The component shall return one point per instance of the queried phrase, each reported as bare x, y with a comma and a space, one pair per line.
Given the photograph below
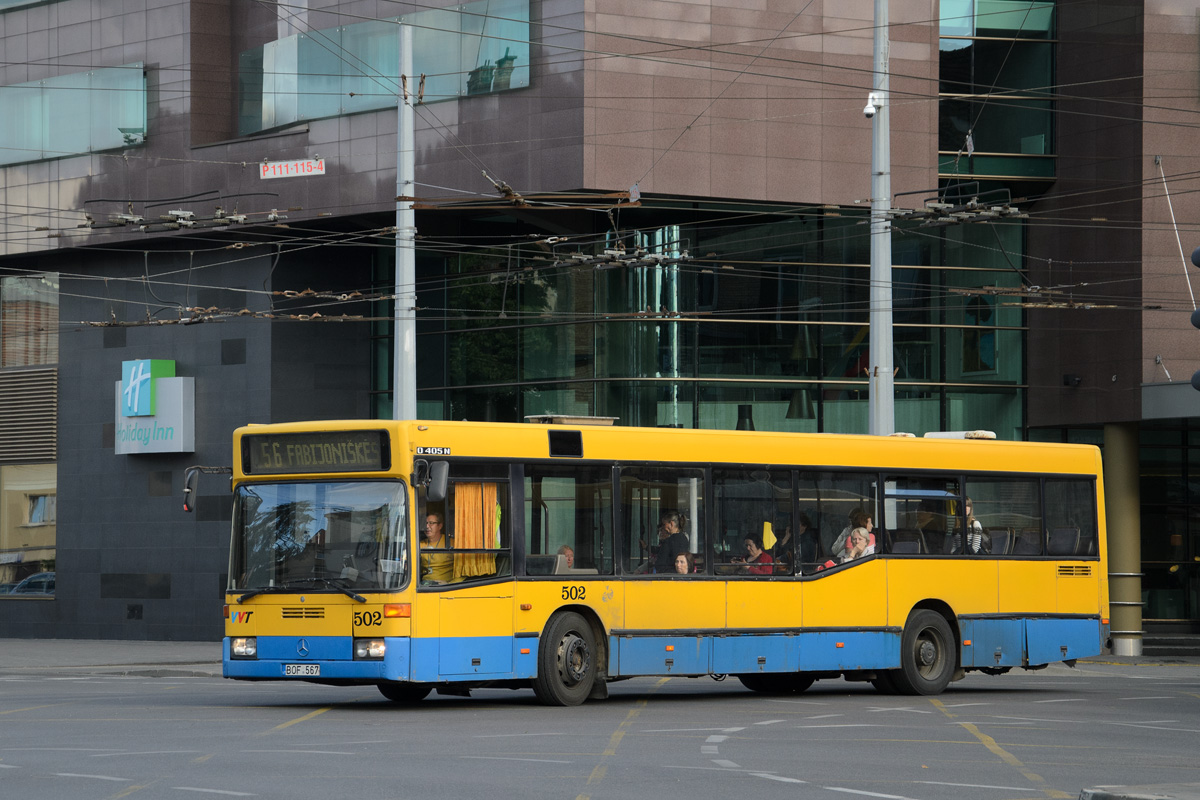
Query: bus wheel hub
576, 660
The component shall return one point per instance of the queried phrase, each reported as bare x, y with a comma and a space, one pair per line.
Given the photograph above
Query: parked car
40, 583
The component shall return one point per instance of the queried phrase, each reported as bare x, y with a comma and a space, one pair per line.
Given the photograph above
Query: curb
1164, 791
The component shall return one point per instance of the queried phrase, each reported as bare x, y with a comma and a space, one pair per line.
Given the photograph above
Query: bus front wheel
404, 693
566, 661
927, 655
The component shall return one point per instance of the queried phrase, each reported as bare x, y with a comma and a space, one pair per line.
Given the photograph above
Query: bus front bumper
317, 658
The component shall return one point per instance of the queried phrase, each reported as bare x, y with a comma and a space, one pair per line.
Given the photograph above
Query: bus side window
1010, 513
568, 520
754, 505
650, 497
1070, 517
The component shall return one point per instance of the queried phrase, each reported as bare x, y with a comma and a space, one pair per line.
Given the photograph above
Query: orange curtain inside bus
476, 526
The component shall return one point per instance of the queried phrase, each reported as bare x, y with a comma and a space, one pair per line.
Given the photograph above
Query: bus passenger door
476, 633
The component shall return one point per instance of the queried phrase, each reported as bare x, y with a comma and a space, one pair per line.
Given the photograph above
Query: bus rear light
397, 610
526, 606
243, 647
1103, 621
369, 649
226, 612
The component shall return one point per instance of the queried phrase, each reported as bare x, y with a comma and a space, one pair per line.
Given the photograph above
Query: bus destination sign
319, 451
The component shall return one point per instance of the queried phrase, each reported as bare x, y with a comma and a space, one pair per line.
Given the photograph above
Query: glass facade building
762, 314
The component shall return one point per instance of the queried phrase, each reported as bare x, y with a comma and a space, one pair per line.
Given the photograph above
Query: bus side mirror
191, 477
439, 472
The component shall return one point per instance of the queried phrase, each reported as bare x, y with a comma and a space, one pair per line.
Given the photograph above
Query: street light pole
882, 389
404, 357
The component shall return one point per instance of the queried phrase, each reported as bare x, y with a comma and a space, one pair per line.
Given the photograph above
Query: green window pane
82, 112
957, 17
1014, 18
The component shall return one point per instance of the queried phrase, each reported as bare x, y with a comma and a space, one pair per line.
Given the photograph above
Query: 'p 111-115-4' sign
324, 451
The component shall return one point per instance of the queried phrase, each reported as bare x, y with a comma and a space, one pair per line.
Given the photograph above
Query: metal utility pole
404, 362
882, 389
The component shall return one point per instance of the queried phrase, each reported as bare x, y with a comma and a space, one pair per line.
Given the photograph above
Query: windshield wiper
292, 583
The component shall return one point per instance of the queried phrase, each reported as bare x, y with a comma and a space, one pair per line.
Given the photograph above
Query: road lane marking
779, 778
845, 725
732, 730
868, 794
826, 716
497, 736
212, 791
716, 739
1163, 697
30, 708
770, 722
9, 766
312, 752
615, 740
874, 709
296, 721
510, 758
1003, 754
142, 753
95, 777
680, 730
964, 705
1063, 700
721, 762
976, 786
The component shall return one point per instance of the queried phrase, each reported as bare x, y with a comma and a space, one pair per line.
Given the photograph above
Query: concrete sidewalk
110, 657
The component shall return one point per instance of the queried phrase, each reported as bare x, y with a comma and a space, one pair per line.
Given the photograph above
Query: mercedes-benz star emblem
302, 647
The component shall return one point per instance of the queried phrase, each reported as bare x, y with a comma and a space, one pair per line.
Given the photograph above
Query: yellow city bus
427, 555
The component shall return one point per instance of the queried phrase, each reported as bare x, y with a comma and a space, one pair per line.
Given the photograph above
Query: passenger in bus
978, 542
671, 541
808, 538
783, 552
857, 546
436, 568
685, 564
859, 518
757, 560
566, 550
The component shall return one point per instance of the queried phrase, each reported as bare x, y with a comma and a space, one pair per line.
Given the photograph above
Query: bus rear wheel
776, 682
566, 661
928, 655
404, 693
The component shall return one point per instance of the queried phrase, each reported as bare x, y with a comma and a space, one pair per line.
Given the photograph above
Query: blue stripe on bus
700, 655
994, 642
334, 654
1014, 642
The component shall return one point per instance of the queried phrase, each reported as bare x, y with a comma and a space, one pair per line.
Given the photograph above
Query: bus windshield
334, 536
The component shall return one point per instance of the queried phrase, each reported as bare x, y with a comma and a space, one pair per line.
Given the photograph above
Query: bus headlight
243, 647
369, 649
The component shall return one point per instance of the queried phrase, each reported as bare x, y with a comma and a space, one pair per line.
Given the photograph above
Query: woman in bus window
685, 564
671, 541
859, 518
977, 540
757, 560
858, 545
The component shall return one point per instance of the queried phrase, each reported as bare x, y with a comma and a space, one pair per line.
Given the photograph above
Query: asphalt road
1030, 735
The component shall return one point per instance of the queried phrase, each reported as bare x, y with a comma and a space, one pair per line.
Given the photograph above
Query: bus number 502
574, 592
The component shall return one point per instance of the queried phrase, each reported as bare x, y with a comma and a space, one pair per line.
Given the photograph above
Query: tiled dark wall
1095, 246
131, 563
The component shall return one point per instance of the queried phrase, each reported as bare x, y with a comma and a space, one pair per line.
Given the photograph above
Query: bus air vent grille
1075, 570
303, 612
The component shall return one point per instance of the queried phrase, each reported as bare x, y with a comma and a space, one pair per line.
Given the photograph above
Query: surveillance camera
869, 111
